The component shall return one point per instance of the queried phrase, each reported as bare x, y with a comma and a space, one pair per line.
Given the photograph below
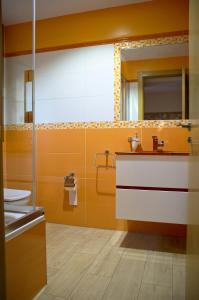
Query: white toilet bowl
16, 197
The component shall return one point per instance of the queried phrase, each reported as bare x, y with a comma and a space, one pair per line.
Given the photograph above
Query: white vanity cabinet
152, 187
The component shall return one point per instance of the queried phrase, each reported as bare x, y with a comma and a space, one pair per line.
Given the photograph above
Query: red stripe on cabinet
150, 188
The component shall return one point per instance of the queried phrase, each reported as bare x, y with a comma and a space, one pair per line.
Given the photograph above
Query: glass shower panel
19, 135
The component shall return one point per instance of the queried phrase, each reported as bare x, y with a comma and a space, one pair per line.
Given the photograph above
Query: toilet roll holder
70, 186
70, 180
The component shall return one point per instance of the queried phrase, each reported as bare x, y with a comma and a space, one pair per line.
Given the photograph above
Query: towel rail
107, 154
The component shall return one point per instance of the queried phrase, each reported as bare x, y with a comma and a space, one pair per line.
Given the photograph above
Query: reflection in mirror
154, 82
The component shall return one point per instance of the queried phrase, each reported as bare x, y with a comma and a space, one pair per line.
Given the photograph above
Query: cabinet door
153, 206
152, 171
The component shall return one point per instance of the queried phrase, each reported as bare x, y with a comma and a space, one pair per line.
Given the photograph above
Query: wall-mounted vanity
152, 186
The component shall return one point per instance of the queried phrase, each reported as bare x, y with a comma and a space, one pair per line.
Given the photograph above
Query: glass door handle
28, 78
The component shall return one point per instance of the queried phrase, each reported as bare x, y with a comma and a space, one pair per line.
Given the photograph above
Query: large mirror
154, 82
72, 85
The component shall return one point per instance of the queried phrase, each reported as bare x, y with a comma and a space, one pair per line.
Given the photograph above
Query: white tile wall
14, 112
71, 85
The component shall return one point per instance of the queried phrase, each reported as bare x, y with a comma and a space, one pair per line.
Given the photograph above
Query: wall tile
61, 141
175, 138
100, 203
98, 140
51, 195
60, 164
60, 151
18, 159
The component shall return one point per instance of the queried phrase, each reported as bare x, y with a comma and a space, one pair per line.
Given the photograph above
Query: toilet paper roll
72, 195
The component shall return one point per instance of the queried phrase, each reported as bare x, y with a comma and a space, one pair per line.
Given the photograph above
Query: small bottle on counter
134, 143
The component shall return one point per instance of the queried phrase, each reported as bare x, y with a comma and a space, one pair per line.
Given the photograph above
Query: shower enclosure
19, 126
17, 132
2, 234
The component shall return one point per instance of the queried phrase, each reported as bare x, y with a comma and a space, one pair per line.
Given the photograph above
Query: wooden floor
89, 264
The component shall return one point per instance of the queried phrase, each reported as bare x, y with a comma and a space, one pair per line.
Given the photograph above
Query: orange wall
130, 69
108, 25
26, 263
62, 151
18, 159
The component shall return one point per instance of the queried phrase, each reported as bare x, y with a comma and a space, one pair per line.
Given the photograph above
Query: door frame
2, 228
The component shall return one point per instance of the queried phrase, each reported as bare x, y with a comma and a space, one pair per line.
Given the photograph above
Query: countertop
18, 216
171, 153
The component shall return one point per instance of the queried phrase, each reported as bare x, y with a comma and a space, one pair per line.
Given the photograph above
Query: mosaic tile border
95, 125
117, 87
178, 39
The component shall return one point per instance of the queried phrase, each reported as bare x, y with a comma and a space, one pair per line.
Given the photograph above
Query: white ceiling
156, 52
19, 11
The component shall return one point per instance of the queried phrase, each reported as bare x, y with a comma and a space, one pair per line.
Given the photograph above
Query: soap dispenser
134, 142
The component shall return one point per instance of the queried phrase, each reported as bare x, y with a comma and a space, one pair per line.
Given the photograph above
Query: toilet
16, 197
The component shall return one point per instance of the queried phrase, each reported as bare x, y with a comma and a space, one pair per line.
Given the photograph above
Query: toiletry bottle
135, 143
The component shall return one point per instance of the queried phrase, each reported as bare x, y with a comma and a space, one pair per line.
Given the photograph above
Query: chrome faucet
157, 144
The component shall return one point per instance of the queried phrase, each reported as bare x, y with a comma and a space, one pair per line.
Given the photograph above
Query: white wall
71, 85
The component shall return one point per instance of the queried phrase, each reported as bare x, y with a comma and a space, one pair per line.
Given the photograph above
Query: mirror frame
170, 40
117, 122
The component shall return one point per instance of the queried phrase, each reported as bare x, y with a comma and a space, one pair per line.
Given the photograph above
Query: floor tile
160, 257
57, 256
136, 254
90, 263
106, 261
51, 272
154, 292
178, 282
179, 259
90, 287
117, 238
159, 273
43, 296
92, 246
126, 280
63, 283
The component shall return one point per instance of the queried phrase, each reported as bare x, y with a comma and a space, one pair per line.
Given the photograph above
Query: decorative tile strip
179, 39
94, 125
